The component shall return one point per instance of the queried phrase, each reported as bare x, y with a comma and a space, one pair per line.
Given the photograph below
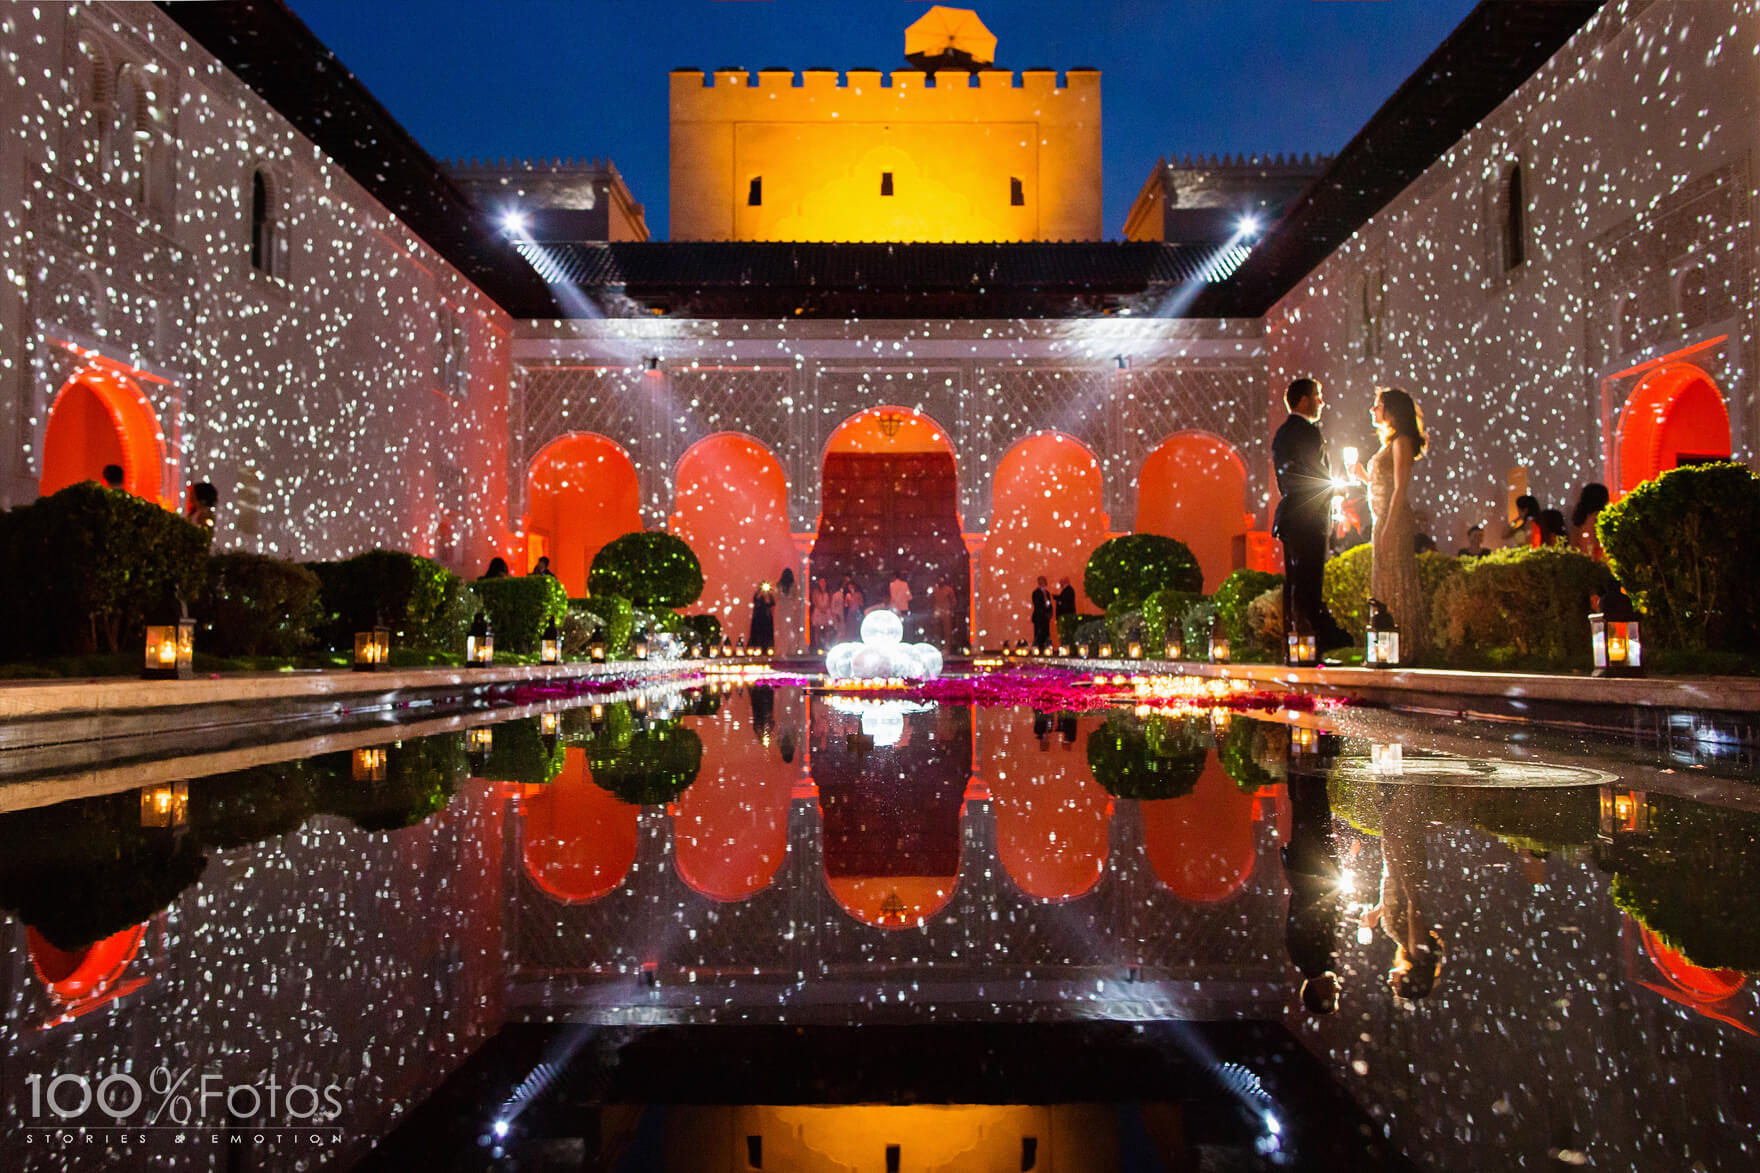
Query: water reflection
766, 857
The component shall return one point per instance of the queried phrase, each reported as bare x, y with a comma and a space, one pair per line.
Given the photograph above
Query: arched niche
1047, 516
1052, 818
731, 508
578, 840
1201, 845
581, 493
1193, 487
1675, 415
102, 417
730, 827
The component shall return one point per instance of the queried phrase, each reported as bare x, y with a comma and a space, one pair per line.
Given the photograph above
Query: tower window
1515, 238
755, 193
1017, 193
886, 183
262, 226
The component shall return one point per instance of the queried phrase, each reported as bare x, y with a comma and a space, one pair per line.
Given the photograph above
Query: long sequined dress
1394, 579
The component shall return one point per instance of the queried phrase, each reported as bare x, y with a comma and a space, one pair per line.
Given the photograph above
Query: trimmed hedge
254, 605
650, 569
703, 629
1129, 569
1233, 597
1683, 547
1165, 609
87, 564
1345, 584
420, 778
424, 604
520, 608
1530, 605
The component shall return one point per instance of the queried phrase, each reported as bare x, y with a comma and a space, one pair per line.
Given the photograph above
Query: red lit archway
1675, 415
102, 417
889, 502
1052, 818
581, 493
1193, 487
77, 977
732, 510
1201, 844
1695, 982
579, 839
730, 826
1047, 517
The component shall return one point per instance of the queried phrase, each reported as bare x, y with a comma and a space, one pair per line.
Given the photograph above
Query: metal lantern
1614, 637
550, 647
369, 764
478, 743
1063, 650
1624, 814
640, 647
1218, 642
165, 805
372, 649
1135, 651
1381, 647
1082, 651
1387, 761
547, 724
1303, 650
479, 643
171, 648
1303, 739
596, 648
1174, 648
1106, 651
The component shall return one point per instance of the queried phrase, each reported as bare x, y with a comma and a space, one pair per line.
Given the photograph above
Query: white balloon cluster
883, 654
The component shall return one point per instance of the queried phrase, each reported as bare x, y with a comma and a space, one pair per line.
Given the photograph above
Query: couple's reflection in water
1319, 895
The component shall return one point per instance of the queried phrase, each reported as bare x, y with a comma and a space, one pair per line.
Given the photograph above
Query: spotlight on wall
1247, 225
514, 223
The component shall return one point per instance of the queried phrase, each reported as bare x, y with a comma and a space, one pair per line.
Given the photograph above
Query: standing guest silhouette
763, 632
204, 498
1304, 487
113, 476
1590, 502
1066, 598
1042, 607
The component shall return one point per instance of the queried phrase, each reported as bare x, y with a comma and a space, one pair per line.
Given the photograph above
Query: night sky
587, 78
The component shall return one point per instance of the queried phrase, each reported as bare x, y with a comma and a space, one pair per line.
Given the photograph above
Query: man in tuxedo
1316, 880
1041, 615
1304, 486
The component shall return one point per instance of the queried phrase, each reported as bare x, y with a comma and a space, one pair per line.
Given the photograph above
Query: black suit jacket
1066, 601
1304, 477
1041, 604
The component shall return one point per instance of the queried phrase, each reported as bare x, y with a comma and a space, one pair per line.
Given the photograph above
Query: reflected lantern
1614, 638
165, 805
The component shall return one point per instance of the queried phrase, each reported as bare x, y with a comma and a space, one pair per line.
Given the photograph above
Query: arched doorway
580, 494
730, 827
79, 980
890, 497
1046, 519
732, 510
1675, 416
1193, 488
101, 417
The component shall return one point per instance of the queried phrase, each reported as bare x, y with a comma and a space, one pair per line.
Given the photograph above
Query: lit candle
1350, 457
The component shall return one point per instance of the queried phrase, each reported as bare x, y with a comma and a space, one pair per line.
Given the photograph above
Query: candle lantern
1063, 650
1218, 641
1381, 646
165, 805
369, 764
1303, 739
550, 646
1387, 761
596, 648
696, 651
1175, 646
1082, 651
1614, 639
547, 724
640, 647
171, 647
1106, 651
372, 649
1135, 651
740, 648
479, 643
1303, 650
478, 744
1625, 814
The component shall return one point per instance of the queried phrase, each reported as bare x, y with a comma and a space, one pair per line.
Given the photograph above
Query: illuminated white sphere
882, 626
840, 661
930, 657
871, 662
884, 723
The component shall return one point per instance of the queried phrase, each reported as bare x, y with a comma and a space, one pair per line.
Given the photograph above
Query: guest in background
497, 569
1552, 532
1423, 544
541, 568
1475, 547
1043, 607
113, 476
1590, 502
1525, 529
819, 614
898, 594
1066, 598
204, 499
763, 633
941, 601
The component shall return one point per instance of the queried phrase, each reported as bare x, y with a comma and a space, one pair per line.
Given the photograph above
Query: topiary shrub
648, 766
520, 608
520, 753
1345, 582
1265, 624
1196, 621
1129, 569
647, 568
420, 778
702, 629
1146, 758
1069, 625
424, 604
253, 605
1694, 885
89, 563
1124, 623
1527, 606
1683, 547
1232, 598
1163, 611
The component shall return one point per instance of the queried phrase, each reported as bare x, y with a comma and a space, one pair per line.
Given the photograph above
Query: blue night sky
587, 78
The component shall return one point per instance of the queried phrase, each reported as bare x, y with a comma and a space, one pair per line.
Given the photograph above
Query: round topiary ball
1129, 569
648, 569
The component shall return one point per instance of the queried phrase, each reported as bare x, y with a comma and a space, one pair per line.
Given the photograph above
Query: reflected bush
1255, 753
1539, 821
645, 765
80, 871
1147, 758
1693, 885
520, 753
420, 779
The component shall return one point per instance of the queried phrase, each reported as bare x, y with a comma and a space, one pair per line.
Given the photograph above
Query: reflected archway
1047, 517
1676, 415
84, 977
732, 510
890, 501
579, 840
1202, 844
102, 417
730, 828
1193, 488
581, 494
1052, 818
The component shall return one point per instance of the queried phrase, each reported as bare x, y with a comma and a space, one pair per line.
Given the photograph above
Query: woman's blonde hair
1402, 418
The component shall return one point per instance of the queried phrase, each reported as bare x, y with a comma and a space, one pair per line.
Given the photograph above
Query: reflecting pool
764, 927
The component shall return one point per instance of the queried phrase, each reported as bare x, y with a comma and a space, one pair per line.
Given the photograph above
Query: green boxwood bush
1163, 611
420, 778
1683, 547
520, 608
1523, 607
89, 563
1129, 569
702, 629
1069, 625
1146, 758
1694, 885
1255, 753
644, 766
424, 604
1233, 597
650, 569
254, 605
1345, 584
